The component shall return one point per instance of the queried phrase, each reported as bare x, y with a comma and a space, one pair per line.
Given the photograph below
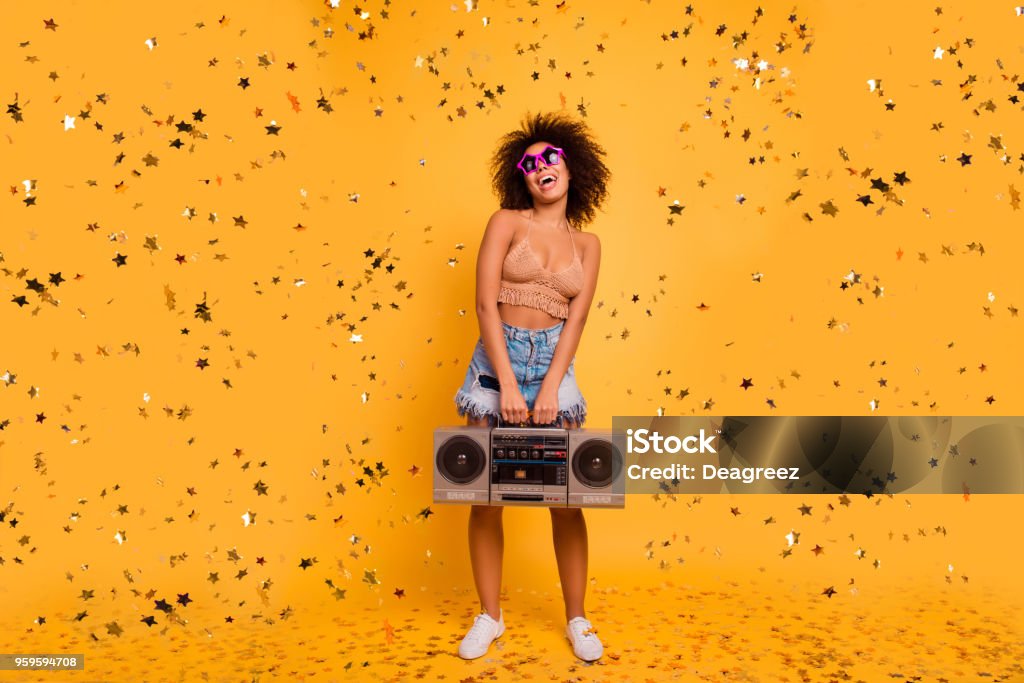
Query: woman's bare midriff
526, 316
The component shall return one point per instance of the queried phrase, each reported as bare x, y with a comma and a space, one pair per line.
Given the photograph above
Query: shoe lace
479, 628
584, 629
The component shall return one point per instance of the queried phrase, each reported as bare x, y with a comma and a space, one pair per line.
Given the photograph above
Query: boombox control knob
523, 454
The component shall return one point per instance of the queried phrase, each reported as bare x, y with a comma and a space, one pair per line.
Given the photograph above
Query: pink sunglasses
550, 157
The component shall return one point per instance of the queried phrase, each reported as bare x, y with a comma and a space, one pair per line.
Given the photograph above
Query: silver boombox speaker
527, 465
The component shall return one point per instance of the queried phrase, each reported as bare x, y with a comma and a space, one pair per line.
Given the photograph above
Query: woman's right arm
493, 249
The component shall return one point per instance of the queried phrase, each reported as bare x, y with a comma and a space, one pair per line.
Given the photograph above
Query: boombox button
500, 453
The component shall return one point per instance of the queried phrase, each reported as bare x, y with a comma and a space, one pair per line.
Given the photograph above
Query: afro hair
588, 187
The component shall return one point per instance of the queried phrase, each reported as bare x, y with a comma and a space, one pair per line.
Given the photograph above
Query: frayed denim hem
577, 413
469, 406
466, 405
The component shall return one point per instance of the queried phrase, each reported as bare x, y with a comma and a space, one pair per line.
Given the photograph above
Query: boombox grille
460, 460
594, 463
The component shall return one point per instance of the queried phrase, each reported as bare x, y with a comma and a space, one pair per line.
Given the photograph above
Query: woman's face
549, 182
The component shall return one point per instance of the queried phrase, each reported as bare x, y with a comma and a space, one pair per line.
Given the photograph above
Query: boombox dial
528, 466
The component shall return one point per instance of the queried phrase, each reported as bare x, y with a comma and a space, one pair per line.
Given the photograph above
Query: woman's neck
552, 216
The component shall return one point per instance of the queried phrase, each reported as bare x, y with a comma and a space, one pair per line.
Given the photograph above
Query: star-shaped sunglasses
550, 156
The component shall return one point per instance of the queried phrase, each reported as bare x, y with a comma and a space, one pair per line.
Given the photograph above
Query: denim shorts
530, 352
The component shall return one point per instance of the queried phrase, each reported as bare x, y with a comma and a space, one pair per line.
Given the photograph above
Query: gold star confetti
219, 290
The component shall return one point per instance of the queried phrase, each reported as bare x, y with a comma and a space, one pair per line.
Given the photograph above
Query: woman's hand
545, 408
513, 405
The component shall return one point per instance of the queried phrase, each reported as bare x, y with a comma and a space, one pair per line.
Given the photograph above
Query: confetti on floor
717, 630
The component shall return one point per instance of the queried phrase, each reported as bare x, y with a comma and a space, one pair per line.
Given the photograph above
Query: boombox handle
560, 419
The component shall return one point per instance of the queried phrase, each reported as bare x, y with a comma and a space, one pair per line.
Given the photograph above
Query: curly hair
588, 186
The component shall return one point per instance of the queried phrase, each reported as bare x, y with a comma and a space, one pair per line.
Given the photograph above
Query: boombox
541, 466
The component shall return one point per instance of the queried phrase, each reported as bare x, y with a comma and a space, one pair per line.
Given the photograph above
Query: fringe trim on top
534, 299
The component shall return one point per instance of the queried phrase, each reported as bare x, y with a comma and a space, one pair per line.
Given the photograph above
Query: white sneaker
484, 630
583, 637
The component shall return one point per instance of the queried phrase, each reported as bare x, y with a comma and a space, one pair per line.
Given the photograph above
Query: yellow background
320, 361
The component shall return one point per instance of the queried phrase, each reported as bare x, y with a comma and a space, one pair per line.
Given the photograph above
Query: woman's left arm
569, 339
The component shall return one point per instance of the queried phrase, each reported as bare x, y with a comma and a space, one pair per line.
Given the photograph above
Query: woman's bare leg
486, 547
569, 534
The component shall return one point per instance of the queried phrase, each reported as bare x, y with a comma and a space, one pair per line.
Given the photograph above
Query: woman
535, 280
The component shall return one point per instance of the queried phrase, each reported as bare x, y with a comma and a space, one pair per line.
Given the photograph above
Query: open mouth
547, 181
